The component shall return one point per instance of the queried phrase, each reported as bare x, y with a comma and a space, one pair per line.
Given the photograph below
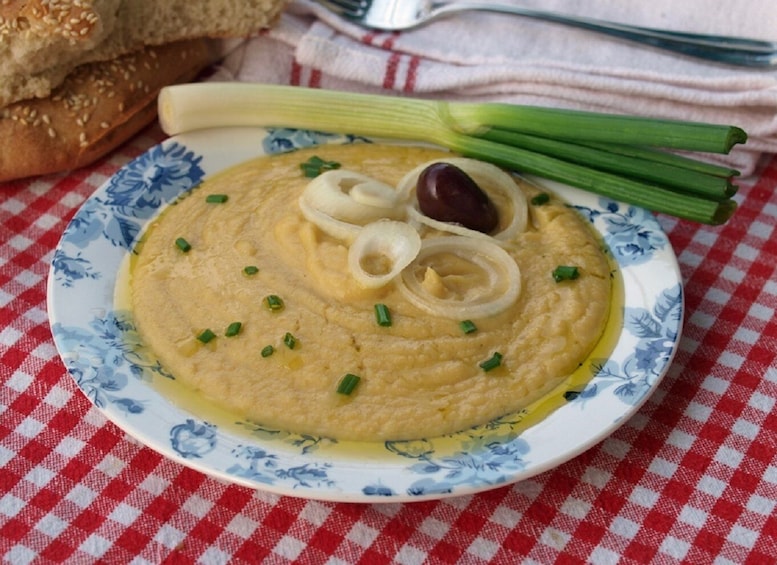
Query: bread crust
41, 41
96, 109
34, 34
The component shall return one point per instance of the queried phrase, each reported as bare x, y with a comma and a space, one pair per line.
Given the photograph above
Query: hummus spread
419, 376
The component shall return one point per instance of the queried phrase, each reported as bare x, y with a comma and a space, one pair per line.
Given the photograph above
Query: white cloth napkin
492, 57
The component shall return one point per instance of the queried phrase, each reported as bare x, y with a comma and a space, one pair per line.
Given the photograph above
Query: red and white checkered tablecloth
692, 477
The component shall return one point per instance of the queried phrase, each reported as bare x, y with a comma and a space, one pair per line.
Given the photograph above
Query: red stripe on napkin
314, 81
392, 65
368, 38
296, 73
297, 77
412, 73
390, 76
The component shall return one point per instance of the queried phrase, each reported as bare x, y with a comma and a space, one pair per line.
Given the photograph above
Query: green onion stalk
625, 158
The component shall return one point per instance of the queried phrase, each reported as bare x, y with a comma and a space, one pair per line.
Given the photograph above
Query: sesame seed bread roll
32, 31
97, 108
41, 41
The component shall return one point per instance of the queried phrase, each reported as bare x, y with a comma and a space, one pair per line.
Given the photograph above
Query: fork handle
724, 49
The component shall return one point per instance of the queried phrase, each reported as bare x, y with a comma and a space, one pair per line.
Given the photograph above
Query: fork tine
348, 8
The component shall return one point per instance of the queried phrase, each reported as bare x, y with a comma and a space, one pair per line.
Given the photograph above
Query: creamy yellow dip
420, 377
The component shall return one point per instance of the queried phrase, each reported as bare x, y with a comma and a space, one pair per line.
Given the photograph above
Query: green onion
274, 302
382, 315
625, 158
347, 384
468, 326
573, 125
206, 336
233, 329
289, 340
657, 156
565, 273
637, 166
216, 198
250, 270
647, 195
316, 165
267, 350
540, 199
183, 245
492, 362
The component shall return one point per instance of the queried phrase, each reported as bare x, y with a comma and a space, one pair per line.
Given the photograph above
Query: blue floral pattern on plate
656, 331
627, 232
132, 196
102, 351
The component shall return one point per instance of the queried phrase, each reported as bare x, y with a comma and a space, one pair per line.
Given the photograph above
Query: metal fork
405, 14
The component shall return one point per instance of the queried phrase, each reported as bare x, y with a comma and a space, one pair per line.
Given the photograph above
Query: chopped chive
468, 326
316, 165
267, 350
274, 302
540, 199
233, 329
492, 362
183, 245
348, 383
565, 273
382, 315
571, 395
289, 340
206, 336
216, 198
251, 269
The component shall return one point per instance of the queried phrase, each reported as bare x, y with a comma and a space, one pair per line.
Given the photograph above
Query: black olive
448, 194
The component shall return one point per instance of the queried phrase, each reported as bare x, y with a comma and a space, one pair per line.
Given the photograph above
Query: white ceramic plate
102, 352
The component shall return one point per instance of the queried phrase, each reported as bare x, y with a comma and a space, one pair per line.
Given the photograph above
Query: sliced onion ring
395, 242
490, 178
336, 228
503, 278
375, 194
352, 197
